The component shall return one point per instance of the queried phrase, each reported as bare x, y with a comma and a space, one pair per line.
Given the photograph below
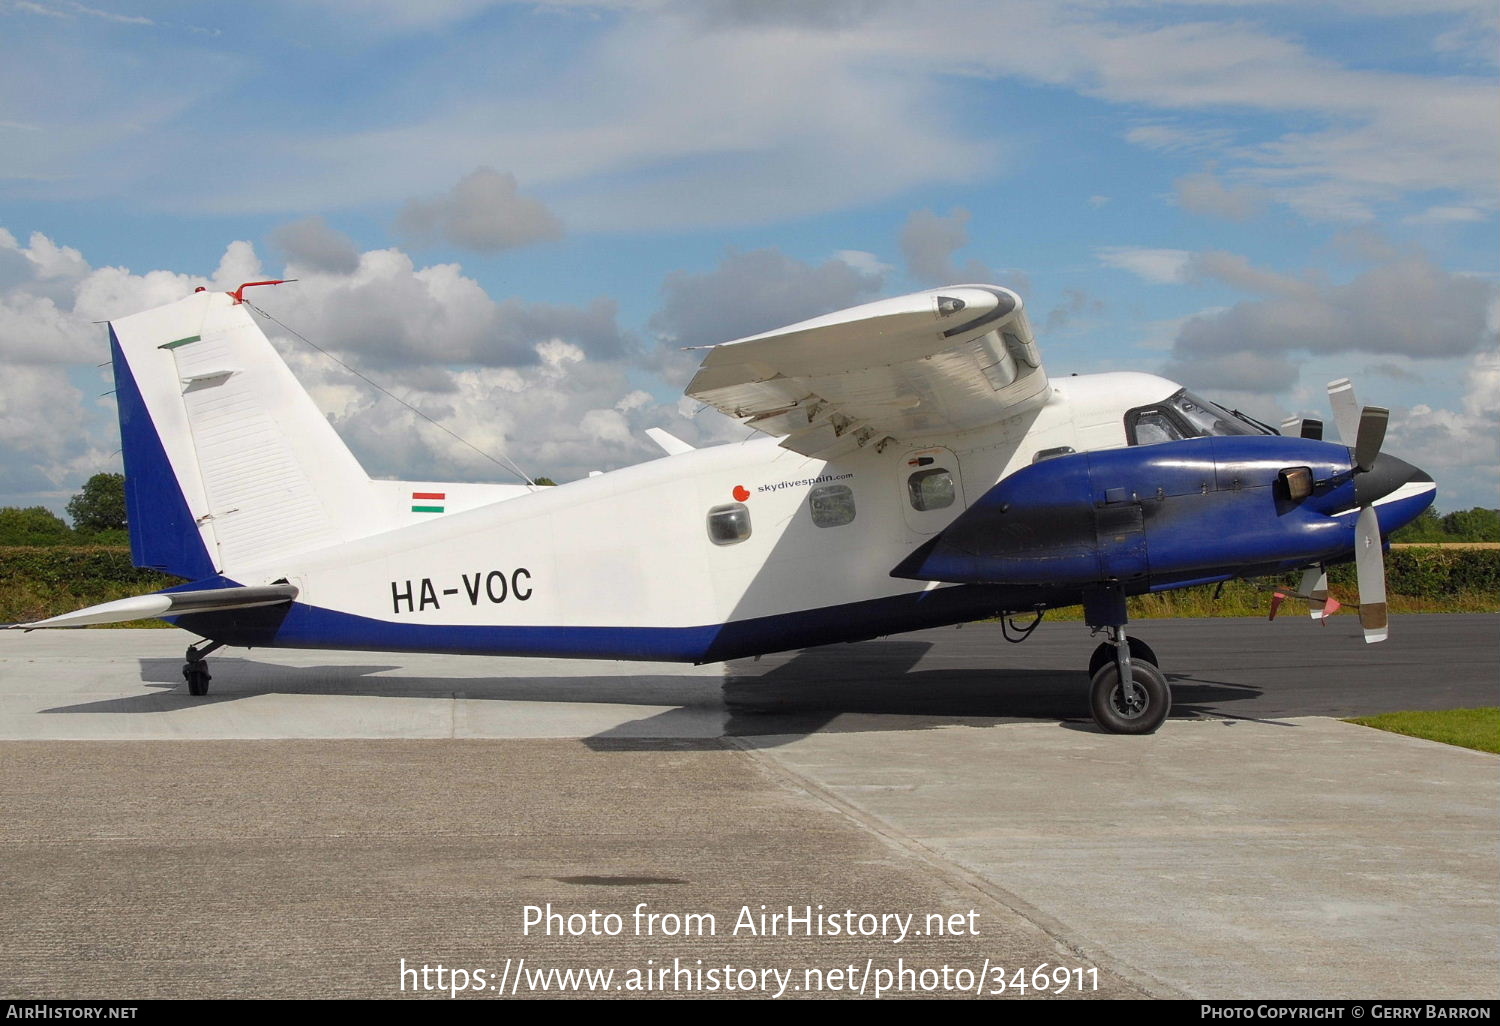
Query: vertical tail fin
228, 463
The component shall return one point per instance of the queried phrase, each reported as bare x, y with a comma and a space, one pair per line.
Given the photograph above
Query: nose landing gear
1127, 692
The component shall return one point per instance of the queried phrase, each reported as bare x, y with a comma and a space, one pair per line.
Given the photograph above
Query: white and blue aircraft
913, 466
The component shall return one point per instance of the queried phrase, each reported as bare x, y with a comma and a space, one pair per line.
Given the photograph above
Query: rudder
228, 463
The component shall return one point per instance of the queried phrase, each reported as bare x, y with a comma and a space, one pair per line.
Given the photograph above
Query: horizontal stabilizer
670, 443
168, 603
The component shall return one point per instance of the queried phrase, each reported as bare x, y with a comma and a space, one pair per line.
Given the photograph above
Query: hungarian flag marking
428, 502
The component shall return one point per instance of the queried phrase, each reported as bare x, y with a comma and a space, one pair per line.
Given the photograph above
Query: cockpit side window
1151, 425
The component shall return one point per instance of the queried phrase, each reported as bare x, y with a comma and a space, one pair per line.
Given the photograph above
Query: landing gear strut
195, 670
1127, 693
1140, 652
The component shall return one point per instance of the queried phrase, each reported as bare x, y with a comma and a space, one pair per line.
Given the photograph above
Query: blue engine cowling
1161, 516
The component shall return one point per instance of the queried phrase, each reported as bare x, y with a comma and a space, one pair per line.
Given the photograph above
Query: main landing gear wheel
1140, 652
197, 679
195, 670
1138, 709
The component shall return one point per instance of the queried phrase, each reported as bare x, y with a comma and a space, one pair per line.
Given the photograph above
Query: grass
1445, 545
1240, 598
1478, 729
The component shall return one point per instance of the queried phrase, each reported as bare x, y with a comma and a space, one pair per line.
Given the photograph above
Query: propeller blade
1372, 424
1345, 409
1277, 598
1369, 567
1314, 585
1302, 427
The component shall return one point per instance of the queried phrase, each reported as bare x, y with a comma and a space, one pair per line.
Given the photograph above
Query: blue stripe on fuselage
304, 626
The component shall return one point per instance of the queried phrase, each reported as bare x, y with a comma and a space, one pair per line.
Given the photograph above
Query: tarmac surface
321, 816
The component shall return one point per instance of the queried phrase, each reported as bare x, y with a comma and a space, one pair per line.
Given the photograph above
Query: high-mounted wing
941, 361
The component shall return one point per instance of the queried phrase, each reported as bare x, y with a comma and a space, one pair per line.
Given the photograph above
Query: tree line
1467, 525
98, 514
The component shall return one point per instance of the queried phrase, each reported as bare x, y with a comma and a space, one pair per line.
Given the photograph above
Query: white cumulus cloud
1157, 266
556, 389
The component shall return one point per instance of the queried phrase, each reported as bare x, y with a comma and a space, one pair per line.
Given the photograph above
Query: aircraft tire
1152, 699
1140, 652
197, 679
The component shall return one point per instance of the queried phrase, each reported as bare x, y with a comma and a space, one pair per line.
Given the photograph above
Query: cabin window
729, 524
1050, 454
930, 489
831, 505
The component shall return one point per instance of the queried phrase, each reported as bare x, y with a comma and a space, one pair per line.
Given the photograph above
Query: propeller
1303, 427
1313, 589
1363, 431
1320, 604
1369, 571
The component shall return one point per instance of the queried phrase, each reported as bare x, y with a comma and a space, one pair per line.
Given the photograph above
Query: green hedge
37, 582
41, 582
1433, 573
79, 567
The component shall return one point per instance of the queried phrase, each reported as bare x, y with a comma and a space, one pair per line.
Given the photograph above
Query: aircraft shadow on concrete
874, 685
237, 678
807, 692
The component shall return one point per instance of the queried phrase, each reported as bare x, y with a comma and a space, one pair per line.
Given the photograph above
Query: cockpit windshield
1185, 415
1208, 418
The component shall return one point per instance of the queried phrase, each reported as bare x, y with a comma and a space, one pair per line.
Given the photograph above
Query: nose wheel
1136, 706
1127, 692
195, 670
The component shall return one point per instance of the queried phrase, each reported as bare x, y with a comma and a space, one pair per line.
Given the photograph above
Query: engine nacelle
1159, 515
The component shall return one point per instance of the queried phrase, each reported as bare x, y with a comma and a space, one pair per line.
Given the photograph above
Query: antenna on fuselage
501, 461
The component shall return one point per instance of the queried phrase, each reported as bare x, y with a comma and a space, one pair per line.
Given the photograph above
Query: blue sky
516, 214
